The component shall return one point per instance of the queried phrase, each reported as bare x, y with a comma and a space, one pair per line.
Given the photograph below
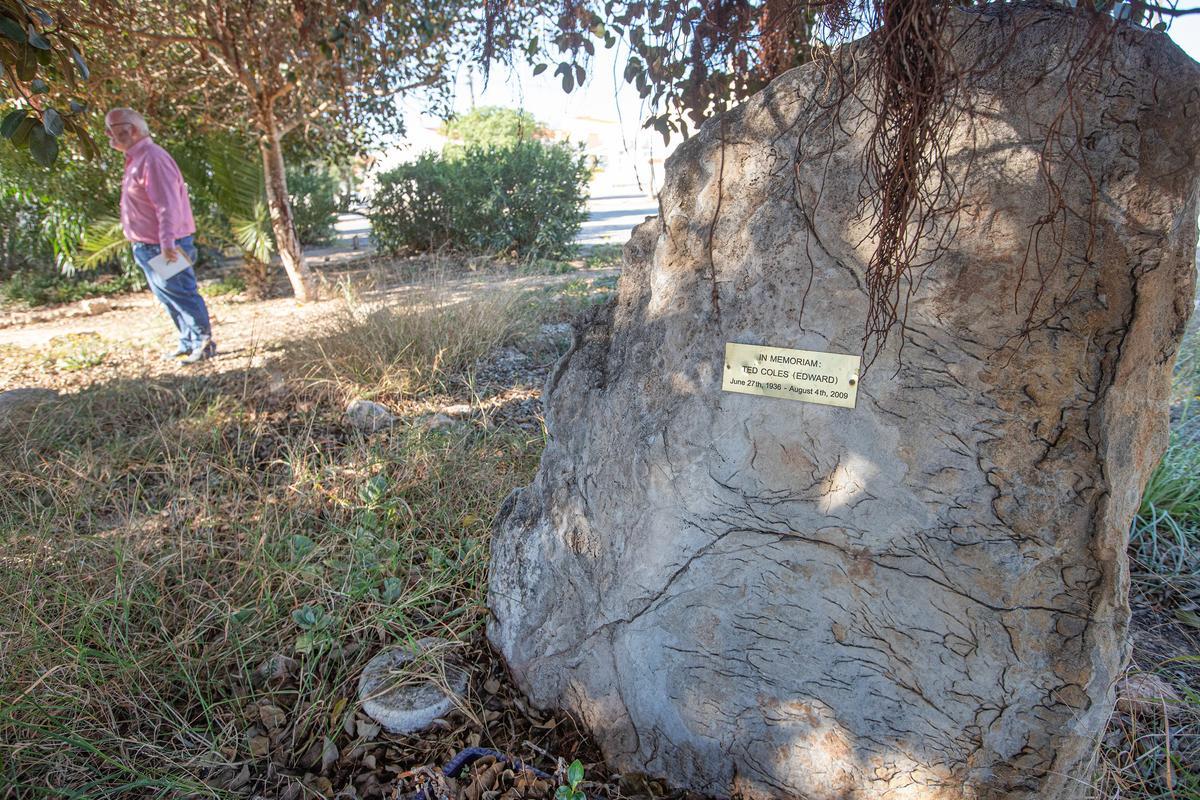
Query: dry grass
166, 545
427, 345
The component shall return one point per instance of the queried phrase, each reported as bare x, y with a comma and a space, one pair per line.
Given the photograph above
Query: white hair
130, 116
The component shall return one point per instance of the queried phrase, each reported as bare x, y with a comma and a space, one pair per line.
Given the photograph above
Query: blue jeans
178, 294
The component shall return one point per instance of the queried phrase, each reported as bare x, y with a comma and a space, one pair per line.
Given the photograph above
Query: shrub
526, 200
492, 126
43, 212
314, 205
38, 287
22, 241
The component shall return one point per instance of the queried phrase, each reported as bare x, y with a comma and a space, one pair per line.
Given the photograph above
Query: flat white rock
403, 702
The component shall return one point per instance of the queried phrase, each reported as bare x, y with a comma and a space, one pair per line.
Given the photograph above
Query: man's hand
172, 253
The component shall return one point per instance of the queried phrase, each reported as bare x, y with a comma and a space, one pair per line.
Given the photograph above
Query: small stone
1145, 693
408, 703
457, 411
437, 422
556, 330
369, 416
24, 399
97, 305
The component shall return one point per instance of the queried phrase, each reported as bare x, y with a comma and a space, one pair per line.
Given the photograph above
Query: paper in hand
169, 269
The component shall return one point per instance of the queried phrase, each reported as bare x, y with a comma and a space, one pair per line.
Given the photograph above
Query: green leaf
53, 122
80, 64
11, 121
301, 545
393, 588
12, 29
27, 67
42, 16
1160, 26
305, 642
308, 616
568, 80
575, 773
562, 793
540, 68
77, 107
20, 137
38, 41
38, 86
43, 146
102, 242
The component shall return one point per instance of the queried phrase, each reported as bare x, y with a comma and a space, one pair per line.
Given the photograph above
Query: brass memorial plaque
827, 378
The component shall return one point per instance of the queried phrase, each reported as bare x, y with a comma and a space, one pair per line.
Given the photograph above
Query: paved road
613, 213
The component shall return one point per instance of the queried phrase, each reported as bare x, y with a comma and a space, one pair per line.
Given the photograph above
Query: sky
604, 95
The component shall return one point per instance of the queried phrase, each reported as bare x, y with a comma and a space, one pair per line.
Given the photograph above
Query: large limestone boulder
923, 596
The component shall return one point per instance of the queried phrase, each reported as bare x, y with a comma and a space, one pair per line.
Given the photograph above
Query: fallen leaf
329, 755
335, 716
260, 746
272, 716
241, 779
367, 730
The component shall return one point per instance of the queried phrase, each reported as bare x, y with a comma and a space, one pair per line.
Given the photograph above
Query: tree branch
1167, 11
150, 36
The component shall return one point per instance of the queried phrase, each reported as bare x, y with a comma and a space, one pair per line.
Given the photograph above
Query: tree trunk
303, 281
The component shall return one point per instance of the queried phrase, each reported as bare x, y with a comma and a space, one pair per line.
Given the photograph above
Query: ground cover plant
41, 288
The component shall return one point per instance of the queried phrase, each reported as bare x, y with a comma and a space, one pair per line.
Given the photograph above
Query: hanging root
913, 77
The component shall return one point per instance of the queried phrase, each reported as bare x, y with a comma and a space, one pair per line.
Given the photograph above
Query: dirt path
72, 350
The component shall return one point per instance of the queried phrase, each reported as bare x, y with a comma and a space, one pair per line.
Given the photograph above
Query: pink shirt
154, 199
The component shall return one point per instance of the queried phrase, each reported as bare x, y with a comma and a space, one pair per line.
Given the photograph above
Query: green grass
75, 352
603, 255
546, 266
1164, 541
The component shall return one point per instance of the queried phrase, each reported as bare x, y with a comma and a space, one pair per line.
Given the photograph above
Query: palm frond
224, 173
253, 234
103, 241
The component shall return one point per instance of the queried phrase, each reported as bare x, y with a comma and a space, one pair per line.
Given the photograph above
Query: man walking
157, 218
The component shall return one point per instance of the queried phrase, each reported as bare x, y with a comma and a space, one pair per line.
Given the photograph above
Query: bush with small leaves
314, 205
526, 200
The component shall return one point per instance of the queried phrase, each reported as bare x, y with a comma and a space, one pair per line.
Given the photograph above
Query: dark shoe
206, 350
